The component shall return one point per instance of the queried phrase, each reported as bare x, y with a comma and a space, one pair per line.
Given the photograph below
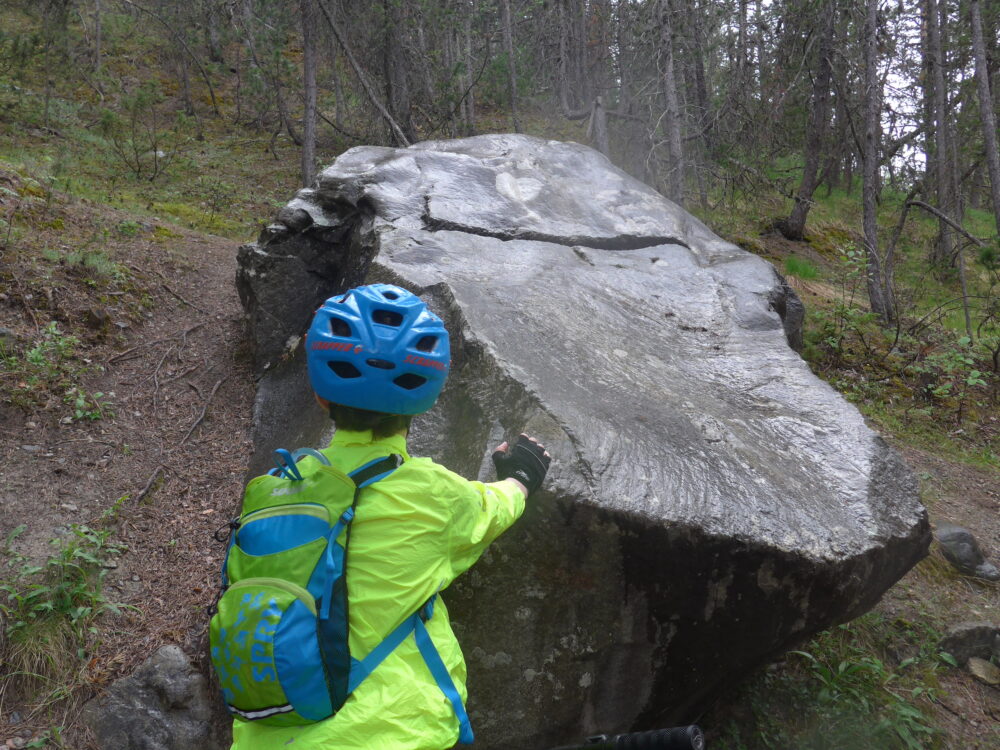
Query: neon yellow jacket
414, 533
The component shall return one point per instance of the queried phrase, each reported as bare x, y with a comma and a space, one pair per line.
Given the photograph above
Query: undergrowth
48, 611
848, 689
49, 373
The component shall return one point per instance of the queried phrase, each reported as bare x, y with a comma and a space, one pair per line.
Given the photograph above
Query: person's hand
525, 464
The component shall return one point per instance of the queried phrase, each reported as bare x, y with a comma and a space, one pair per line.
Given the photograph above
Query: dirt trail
175, 450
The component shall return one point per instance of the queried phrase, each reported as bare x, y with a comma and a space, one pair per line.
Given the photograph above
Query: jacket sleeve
480, 512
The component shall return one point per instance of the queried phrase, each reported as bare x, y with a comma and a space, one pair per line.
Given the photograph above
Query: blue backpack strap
415, 624
373, 471
286, 465
441, 676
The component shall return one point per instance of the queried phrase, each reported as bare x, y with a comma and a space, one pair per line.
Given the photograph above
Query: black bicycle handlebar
676, 738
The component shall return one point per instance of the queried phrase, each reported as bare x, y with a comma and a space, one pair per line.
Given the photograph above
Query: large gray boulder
711, 502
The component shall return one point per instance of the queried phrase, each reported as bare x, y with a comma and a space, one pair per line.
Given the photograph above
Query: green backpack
279, 637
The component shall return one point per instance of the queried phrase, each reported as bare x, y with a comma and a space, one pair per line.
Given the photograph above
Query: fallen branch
182, 299
152, 478
204, 411
950, 222
121, 354
196, 389
186, 372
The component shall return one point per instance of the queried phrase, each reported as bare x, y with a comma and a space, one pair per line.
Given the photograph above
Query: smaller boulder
962, 550
165, 704
979, 640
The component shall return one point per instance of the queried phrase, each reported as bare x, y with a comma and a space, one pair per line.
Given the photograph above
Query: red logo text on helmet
337, 346
413, 359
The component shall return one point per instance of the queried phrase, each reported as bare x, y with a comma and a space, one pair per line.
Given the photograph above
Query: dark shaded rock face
711, 502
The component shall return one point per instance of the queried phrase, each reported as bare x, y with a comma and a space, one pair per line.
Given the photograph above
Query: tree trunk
470, 96
942, 250
700, 87
563, 83
508, 43
309, 90
212, 38
671, 119
986, 114
397, 67
878, 293
599, 127
338, 33
794, 226
759, 17
97, 36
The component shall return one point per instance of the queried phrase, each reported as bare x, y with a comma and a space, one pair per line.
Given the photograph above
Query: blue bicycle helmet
378, 348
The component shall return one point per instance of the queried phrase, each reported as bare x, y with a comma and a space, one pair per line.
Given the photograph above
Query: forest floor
161, 466
141, 426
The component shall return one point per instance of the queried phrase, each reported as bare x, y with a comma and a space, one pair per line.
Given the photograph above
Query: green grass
50, 366
48, 611
865, 684
800, 268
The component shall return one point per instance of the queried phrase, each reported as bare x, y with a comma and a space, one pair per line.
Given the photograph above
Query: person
376, 357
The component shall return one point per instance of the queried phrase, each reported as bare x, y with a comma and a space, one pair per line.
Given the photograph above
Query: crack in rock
621, 242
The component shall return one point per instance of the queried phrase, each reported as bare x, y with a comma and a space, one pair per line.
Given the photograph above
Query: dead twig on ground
204, 410
188, 371
196, 389
182, 299
122, 354
149, 484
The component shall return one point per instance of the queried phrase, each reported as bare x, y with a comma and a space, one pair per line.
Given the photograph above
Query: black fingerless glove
526, 462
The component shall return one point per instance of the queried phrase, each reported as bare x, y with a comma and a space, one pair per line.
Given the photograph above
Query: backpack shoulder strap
375, 470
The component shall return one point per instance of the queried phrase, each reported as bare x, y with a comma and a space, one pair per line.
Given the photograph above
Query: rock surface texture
164, 705
711, 502
961, 549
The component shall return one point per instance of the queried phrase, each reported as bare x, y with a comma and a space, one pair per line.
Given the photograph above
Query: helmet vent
390, 295
387, 317
382, 364
426, 343
409, 381
340, 328
345, 369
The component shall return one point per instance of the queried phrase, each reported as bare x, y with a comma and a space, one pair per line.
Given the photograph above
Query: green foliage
89, 406
800, 267
844, 692
920, 380
50, 367
128, 228
48, 609
139, 135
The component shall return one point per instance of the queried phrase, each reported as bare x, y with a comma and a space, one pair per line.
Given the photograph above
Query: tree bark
986, 114
671, 119
309, 90
97, 36
598, 128
563, 82
794, 226
508, 43
470, 99
878, 293
397, 67
942, 249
